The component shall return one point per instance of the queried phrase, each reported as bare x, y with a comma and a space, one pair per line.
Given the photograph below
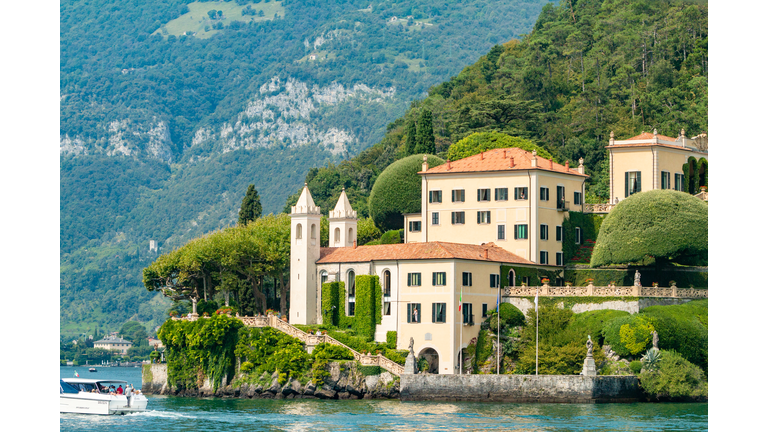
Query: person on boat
120, 389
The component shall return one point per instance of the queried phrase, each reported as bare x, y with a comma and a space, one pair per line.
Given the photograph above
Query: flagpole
498, 330
537, 330
461, 333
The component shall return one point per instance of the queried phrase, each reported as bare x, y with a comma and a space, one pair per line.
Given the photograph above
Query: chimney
551, 164
610, 141
449, 165
482, 155
505, 154
534, 161
354, 244
566, 166
511, 162
485, 253
424, 164
581, 165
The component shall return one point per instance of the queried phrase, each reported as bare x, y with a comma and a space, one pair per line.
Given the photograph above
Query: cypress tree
425, 137
410, 139
250, 209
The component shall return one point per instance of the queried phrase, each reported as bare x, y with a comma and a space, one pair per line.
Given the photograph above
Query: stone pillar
590, 289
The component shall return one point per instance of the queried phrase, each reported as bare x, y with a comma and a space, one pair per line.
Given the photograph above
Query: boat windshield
66, 387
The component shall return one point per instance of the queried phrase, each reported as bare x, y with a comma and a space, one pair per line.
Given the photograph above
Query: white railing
598, 208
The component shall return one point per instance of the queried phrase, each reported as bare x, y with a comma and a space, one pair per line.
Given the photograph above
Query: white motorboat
93, 396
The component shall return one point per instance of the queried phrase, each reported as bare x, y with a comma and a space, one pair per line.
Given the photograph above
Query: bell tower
342, 223
305, 251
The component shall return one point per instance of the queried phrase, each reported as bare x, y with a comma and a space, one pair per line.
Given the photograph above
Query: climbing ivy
196, 349
368, 305
590, 227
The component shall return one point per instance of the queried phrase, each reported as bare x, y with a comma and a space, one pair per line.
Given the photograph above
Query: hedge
590, 227
397, 190
682, 328
331, 302
663, 224
685, 277
534, 275
367, 305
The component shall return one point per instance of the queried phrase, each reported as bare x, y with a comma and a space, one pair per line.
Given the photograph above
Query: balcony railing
562, 205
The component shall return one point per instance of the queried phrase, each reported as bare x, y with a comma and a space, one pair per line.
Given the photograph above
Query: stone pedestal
589, 367
411, 365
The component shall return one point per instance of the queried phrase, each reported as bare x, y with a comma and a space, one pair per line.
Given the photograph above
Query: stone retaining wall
520, 388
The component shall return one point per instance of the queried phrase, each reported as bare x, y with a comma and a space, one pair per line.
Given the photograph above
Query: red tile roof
421, 251
648, 136
498, 160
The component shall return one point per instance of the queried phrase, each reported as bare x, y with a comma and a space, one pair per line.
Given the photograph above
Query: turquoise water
167, 413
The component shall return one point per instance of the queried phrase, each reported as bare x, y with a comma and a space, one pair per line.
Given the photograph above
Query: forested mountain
588, 67
171, 108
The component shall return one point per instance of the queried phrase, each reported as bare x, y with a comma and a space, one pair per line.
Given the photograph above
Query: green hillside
587, 68
162, 133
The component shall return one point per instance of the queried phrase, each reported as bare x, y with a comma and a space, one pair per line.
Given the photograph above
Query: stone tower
305, 251
342, 223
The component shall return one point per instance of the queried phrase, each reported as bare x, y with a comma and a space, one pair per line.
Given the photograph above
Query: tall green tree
425, 135
250, 209
410, 137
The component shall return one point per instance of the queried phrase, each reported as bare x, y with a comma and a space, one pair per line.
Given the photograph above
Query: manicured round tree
667, 225
482, 141
398, 190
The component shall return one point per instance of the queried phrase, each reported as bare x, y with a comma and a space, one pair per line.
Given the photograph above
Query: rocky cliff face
345, 381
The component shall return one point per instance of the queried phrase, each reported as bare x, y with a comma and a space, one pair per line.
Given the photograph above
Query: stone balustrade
598, 208
312, 340
606, 291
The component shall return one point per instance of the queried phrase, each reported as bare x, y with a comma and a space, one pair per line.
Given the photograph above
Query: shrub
664, 224
391, 339
628, 335
246, 367
636, 366
482, 141
682, 328
332, 352
392, 237
676, 378
511, 316
397, 190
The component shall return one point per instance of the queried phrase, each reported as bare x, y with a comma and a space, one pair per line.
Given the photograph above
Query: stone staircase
311, 341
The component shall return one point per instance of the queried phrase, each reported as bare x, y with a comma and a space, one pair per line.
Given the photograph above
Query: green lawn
193, 23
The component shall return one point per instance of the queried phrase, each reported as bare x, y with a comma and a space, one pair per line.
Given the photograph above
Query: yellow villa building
482, 218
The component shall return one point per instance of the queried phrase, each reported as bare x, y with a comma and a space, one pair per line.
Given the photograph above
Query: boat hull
90, 403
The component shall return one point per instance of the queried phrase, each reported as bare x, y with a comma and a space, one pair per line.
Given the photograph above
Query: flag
77, 374
498, 302
536, 300
460, 293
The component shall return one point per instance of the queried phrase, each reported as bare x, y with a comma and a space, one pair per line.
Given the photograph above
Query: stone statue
637, 278
589, 368
589, 346
410, 346
655, 340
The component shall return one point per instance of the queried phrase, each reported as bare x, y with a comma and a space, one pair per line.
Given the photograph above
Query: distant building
113, 343
313, 56
153, 245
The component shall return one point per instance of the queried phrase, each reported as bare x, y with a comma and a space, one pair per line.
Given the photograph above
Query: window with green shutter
632, 183
544, 193
544, 232
501, 194
484, 217
414, 312
558, 233
438, 312
457, 195
484, 194
438, 278
521, 193
414, 279
466, 279
543, 257
521, 232
457, 218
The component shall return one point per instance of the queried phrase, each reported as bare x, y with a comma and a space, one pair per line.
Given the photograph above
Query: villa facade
498, 211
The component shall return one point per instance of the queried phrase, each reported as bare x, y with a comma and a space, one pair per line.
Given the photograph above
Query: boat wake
159, 414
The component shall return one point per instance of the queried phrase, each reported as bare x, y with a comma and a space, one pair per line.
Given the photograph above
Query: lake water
168, 413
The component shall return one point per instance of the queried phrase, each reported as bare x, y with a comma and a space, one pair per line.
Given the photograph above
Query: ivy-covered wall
196, 349
685, 278
368, 295
695, 174
590, 227
367, 305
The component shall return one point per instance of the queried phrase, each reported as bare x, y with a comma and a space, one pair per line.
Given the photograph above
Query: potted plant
545, 280
672, 283
590, 280
655, 284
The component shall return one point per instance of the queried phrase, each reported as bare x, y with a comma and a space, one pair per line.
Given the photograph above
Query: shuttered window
543, 257
466, 279
438, 278
484, 217
559, 233
457, 218
438, 312
521, 193
632, 183
501, 194
414, 279
484, 194
436, 196
521, 232
544, 232
414, 312
457, 195
544, 193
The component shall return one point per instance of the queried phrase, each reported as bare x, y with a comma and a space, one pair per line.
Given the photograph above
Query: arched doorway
432, 358
511, 278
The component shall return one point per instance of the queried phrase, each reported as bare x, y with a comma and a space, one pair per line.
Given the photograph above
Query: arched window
313, 232
323, 276
387, 279
350, 239
298, 231
351, 293
511, 278
336, 235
